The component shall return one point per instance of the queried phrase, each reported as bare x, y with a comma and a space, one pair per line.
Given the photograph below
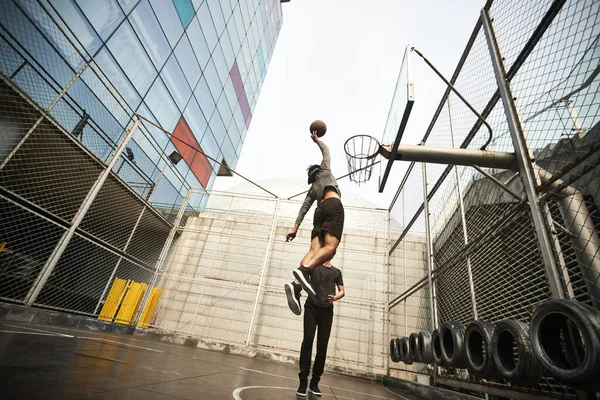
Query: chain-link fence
494, 255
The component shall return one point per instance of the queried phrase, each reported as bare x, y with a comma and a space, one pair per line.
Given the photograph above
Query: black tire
400, 350
550, 332
414, 347
478, 350
436, 348
513, 354
425, 347
394, 351
452, 336
406, 351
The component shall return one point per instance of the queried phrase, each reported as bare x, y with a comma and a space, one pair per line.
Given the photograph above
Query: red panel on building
186, 144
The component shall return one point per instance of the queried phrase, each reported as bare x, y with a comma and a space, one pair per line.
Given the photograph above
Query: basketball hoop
361, 151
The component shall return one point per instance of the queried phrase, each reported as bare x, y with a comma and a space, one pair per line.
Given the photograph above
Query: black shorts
329, 217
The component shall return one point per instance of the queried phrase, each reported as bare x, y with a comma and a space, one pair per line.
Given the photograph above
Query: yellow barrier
150, 308
113, 300
131, 303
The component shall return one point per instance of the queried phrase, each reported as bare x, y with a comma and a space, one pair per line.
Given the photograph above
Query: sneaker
314, 388
302, 389
292, 292
302, 274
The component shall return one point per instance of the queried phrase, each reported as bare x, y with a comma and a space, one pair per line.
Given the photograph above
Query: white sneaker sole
318, 394
304, 283
293, 303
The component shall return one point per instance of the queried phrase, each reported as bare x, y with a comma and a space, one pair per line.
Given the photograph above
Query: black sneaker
314, 388
302, 389
302, 274
292, 291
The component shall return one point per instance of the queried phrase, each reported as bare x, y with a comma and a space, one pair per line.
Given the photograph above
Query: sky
338, 61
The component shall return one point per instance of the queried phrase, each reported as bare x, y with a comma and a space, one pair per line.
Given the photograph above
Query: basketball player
318, 316
328, 225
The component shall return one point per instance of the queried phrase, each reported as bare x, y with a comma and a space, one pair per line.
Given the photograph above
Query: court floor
52, 362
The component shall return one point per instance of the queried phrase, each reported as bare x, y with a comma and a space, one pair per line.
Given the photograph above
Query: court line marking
28, 333
121, 344
332, 387
236, 392
38, 330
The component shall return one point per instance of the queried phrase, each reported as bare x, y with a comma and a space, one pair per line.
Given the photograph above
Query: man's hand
290, 236
331, 298
314, 137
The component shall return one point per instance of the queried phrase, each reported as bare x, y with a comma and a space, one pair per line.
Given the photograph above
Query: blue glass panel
175, 80
148, 29
14, 21
217, 15
228, 151
217, 127
193, 183
224, 109
161, 138
10, 60
196, 37
205, 99
261, 62
220, 63
213, 80
230, 94
227, 49
169, 19
185, 10
117, 77
209, 145
187, 61
104, 15
162, 106
129, 53
37, 88
127, 5
206, 24
195, 119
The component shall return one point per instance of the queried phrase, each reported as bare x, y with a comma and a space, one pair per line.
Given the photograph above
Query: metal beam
444, 155
524, 160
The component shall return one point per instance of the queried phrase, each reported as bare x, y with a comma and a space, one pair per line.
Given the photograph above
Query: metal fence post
263, 272
524, 159
429, 251
162, 258
389, 275
463, 219
83, 209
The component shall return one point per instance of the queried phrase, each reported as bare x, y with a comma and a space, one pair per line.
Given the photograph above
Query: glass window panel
77, 22
193, 183
169, 19
185, 10
238, 116
104, 15
175, 81
228, 151
224, 109
233, 37
128, 51
226, 9
229, 90
217, 127
117, 77
213, 80
159, 136
207, 26
239, 23
127, 5
196, 37
195, 118
151, 35
197, 3
227, 49
205, 99
187, 61
217, 16
220, 63
162, 106
210, 145
10, 60
245, 15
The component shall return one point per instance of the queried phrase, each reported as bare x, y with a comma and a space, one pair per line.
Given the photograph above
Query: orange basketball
318, 126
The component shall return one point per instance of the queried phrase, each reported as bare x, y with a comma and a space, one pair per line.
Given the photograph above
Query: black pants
321, 317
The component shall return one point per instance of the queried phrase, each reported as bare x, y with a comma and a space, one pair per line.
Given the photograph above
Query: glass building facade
193, 67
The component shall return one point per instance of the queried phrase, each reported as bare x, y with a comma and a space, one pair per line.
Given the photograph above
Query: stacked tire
562, 340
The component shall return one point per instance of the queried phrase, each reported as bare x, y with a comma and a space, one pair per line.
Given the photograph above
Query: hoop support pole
442, 155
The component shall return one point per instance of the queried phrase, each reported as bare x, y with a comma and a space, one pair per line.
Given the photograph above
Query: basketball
318, 126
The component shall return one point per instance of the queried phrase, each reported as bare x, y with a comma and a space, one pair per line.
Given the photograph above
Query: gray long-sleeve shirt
323, 179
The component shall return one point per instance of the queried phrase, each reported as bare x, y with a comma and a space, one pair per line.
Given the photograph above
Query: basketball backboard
400, 109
